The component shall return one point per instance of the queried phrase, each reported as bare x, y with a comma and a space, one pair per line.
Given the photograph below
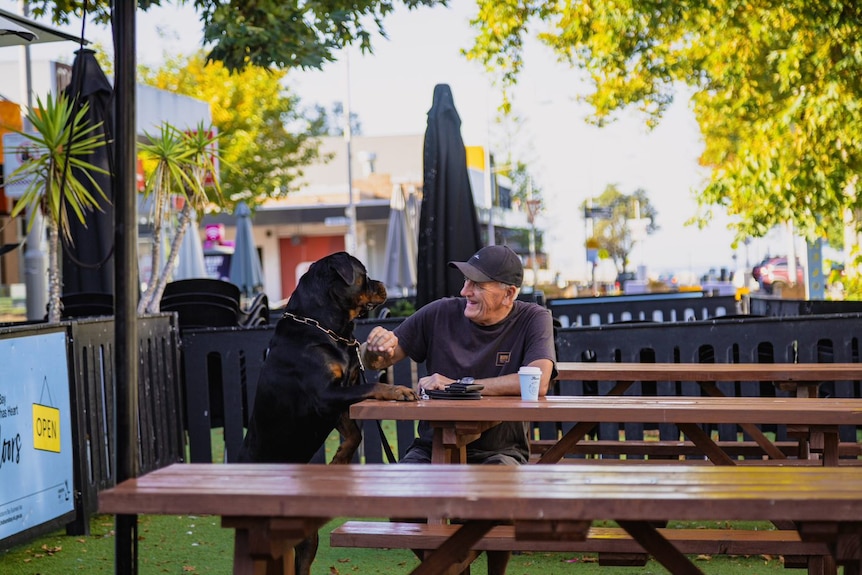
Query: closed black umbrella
448, 225
88, 265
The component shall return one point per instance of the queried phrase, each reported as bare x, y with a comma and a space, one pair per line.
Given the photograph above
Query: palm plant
62, 137
181, 162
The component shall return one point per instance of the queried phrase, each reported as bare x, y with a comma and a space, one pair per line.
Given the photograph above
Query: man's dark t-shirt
452, 345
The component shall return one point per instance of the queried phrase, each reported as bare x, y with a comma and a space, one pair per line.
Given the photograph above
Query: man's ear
511, 292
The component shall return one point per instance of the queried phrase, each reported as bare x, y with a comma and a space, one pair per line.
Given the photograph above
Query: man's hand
380, 349
435, 381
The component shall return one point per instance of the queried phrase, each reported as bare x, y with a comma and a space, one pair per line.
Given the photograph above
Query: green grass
199, 545
188, 544
9, 312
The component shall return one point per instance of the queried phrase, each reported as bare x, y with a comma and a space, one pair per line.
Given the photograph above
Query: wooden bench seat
665, 448
613, 545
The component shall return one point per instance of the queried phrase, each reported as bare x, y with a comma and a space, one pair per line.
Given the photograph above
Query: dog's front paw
397, 393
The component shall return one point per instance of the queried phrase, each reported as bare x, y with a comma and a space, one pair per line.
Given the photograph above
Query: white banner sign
36, 470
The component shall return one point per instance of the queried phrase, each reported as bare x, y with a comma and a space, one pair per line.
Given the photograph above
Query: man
486, 334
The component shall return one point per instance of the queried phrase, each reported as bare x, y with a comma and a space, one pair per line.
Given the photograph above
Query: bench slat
400, 535
678, 448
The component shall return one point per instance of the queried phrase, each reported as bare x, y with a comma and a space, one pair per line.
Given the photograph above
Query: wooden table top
621, 409
528, 492
785, 372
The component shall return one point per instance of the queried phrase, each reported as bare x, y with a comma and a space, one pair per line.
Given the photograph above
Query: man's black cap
493, 263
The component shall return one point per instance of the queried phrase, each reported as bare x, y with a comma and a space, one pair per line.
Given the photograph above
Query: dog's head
342, 279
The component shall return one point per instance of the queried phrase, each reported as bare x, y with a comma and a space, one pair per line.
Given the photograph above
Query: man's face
488, 303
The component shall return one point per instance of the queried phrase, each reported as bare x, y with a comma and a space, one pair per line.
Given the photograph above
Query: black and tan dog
312, 373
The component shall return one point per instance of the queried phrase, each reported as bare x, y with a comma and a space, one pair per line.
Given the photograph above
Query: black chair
87, 304
201, 298
257, 312
202, 302
204, 314
202, 285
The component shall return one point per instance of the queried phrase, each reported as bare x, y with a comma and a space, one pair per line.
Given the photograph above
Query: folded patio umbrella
448, 224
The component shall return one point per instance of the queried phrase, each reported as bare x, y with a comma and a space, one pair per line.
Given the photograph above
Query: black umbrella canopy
448, 224
88, 264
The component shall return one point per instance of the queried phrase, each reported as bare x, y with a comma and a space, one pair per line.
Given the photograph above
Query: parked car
774, 273
758, 269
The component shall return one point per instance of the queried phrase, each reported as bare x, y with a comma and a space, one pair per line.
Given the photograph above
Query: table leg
825, 439
455, 553
575, 434
246, 562
443, 453
844, 540
265, 545
450, 440
702, 439
660, 548
751, 429
565, 444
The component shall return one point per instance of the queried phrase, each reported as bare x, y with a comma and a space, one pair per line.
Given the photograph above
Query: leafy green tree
266, 33
616, 235
270, 137
181, 163
777, 90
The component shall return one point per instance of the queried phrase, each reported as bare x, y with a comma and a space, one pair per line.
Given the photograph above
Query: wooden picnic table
272, 507
803, 378
458, 422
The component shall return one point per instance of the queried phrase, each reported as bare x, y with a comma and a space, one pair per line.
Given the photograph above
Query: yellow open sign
46, 428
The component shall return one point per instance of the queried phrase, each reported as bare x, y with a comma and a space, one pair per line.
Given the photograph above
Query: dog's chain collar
354, 343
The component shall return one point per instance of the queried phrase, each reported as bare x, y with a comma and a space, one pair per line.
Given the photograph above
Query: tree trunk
165, 273
55, 306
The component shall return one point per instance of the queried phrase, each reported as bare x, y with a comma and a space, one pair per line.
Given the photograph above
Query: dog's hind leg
306, 551
351, 437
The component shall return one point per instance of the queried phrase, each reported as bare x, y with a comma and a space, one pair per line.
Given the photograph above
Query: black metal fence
220, 372
774, 306
161, 440
653, 307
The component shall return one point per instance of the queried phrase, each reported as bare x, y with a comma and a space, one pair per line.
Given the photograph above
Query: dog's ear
342, 264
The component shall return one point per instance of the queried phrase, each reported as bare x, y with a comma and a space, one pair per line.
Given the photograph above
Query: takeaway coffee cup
530, 378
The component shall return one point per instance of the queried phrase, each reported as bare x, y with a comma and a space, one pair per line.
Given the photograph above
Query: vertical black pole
125, 278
